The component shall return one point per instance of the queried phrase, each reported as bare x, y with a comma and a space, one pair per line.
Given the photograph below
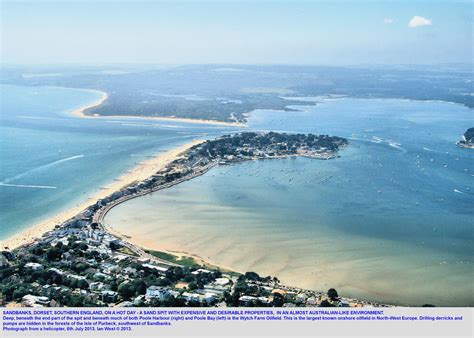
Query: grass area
127, 251
185, 261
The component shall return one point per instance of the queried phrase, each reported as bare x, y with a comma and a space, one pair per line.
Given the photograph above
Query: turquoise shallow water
50, 161
390, 220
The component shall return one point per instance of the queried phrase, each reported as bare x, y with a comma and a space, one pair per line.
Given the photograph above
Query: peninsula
82, 263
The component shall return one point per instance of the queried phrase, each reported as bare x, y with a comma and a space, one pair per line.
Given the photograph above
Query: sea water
391, 220
51, 161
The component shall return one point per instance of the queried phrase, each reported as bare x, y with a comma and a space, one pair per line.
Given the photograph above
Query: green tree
82, 284
126, 290
325, 303
19, 293
53, 254
278, 300
332, 293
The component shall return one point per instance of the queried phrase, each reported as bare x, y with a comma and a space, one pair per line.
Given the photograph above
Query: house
100, 275
159, 268
191, 296
312, 301
96, 286
67, 257
57, 271
264, 300
199, 271
76, 277
130, 271
157, 292
222, 281
139, 300
208, 297
34, 266
34, 301
119, 258
125, 304
301, 298
247, 300
109, 296
110, 268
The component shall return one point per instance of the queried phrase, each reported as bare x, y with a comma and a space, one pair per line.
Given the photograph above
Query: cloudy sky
267, 32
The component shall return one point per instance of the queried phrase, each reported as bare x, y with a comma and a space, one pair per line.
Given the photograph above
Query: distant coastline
80, 112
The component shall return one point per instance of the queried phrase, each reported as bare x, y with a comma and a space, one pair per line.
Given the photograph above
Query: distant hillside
229, 92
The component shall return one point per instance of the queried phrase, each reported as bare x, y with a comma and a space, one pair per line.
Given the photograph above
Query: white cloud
418, 21
387, 21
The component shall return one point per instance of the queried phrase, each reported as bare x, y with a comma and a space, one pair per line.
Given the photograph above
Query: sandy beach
79, 112
173, 119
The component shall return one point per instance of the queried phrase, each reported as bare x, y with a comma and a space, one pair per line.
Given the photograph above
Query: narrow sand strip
79, 112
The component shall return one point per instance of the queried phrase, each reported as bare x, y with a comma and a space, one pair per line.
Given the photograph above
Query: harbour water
390, 220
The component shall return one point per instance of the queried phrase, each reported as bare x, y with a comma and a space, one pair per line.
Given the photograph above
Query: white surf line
41, 167
27, 186
394, 145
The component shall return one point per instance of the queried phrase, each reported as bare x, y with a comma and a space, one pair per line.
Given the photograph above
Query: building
34, 266
222, 281
34, 301
57, 271
247, 300
129, 271
208, 297
195, 297
96, 286
109, 296
157, 292
159, 268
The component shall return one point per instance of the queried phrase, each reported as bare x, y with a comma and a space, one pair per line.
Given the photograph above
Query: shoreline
169, 119
79, 112
140, 172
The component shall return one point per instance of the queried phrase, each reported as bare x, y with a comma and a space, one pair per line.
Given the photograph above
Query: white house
157, 292
34, 266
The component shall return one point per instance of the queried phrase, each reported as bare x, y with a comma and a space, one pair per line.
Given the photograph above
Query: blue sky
240, 32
